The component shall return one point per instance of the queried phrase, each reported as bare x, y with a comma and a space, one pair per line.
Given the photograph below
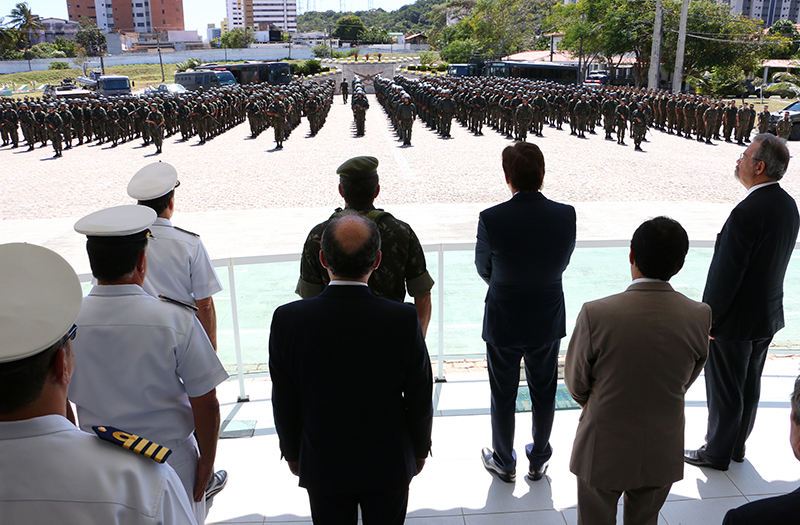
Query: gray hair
774, 153
796, 402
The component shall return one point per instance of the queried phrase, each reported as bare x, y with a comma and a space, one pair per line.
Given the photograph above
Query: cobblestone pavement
233, 172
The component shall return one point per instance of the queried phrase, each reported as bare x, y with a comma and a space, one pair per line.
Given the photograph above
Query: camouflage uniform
784, 128
402, 266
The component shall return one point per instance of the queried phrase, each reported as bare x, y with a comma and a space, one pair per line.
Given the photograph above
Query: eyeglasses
743, 156
70, 336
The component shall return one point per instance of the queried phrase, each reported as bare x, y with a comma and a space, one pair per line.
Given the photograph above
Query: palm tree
24, 21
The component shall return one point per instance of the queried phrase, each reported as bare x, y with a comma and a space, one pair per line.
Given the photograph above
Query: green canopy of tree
348, 28
23, 20
716, 38
459, 51
786, 37
613, 28
411, 18
90, 37
238, 38
374, 35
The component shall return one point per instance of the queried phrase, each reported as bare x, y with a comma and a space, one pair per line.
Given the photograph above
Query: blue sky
200, 13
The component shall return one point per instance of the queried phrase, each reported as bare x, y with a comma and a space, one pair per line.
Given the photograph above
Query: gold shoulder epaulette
179, 303
137, 444
186, 232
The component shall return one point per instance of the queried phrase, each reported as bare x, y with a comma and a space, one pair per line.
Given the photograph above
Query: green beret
358, 168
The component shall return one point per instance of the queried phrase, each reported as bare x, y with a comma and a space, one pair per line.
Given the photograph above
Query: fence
258, 285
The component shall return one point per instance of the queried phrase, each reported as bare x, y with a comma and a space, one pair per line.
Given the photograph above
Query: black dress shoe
535, 474
738, 457
487, 457
694, 457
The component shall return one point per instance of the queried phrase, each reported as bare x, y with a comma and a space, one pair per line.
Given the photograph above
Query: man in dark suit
352, 386
745, 291
778, 510
523, 247
631, 359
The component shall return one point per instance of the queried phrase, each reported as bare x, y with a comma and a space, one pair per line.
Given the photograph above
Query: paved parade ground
248, 199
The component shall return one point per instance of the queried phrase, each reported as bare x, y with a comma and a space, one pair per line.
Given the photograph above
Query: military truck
107, 85
67, 89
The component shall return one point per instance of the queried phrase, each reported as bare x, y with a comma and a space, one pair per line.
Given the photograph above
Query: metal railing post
236, 342
440, 374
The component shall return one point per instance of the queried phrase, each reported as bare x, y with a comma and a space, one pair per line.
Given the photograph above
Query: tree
715, 38
583, 28
24, 21
238, 38
459, 51
90, 37
374, 35
348, 28
786, 38
506, 26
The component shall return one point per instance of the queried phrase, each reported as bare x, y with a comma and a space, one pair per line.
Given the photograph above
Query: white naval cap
153, 181
40, 297
130, 222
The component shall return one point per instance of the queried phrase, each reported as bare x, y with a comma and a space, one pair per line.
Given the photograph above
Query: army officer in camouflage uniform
402, 265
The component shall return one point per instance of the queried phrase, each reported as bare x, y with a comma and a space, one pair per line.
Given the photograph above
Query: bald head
350, 246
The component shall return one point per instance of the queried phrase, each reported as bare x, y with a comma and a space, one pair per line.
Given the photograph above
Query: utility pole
655, 52
677, 76
160, 61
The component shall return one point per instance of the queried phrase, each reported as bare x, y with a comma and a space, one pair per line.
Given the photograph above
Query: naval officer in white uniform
178, 264
144, 364
53, 472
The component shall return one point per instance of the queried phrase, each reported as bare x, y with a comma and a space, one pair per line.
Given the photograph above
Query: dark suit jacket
523, 247
745, 280
631, 359
352, 390
780, 510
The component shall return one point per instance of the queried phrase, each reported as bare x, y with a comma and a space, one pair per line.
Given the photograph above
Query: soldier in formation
397, 103
359, 105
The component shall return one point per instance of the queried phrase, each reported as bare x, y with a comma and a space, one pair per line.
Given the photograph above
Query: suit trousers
733, 387
381, 508
541, 370
640, 506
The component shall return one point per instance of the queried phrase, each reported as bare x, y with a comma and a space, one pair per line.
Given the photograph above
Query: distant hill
412, 18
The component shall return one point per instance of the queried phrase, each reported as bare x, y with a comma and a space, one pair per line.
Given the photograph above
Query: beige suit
629, 363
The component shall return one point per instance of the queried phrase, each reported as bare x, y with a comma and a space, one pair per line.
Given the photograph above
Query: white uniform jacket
55, 474
178, 265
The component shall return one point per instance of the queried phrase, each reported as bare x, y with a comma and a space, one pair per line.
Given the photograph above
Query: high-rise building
142, 16
260, 14
213, 32
770, 11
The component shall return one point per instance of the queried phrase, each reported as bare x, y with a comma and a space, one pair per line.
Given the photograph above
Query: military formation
65, 123
282, 107
514, 108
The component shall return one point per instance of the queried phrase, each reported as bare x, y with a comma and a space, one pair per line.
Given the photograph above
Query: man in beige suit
629, 363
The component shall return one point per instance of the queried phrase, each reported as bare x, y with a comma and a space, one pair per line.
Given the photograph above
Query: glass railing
255, 286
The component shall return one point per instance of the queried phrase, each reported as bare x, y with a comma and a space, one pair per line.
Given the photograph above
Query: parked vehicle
205, 78
165, 89
107, 85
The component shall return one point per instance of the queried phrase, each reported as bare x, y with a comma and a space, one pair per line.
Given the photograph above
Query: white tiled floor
454, 489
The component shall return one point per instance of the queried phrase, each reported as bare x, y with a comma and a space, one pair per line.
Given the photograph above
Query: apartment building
142, 16
260, 14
